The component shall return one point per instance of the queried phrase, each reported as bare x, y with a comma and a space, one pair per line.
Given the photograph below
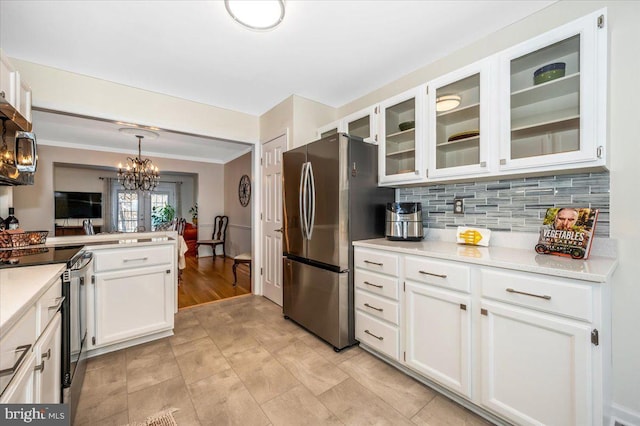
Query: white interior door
272, 218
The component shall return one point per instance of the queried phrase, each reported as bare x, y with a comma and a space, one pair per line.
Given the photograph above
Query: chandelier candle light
138, 174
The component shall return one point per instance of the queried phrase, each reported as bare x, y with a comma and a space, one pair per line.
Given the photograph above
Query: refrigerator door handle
312, 201
302, 200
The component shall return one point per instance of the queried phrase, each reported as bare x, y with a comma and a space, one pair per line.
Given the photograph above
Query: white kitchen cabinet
527, 347
15, 91
536, 368
329, 129
363, 124
538, 330
377, 316
24, 98
48, 356
17, 360
7, 80
132, 303
31, 351
20, 391
438, 335
458, 138
559, 123
131, 295
401, 151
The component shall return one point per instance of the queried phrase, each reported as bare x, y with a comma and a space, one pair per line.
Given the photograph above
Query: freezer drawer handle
433, 275
373, 285
373, 307
371, 334
544, 296
55, 307
9, 371
373, 263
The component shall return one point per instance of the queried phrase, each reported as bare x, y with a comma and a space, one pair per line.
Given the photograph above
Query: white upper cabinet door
459, 125
553, 95
329, 129
401, 138
362, 124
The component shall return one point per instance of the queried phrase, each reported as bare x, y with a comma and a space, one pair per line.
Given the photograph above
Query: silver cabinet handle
545, 297
373, 307
433, 275
11, 370
373, 263
55, 307
373, 285
371, 334
138, 259
44, 356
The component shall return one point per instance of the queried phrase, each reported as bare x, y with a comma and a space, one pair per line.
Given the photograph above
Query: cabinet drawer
125, 258
443, 274
377, 306
385, 263
17, 345
376, 283
47, 306
556, 295
377, 334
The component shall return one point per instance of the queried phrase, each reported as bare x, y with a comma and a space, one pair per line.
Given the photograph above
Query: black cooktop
31, 256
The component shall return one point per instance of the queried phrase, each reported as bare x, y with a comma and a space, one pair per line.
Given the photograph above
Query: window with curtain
132, 209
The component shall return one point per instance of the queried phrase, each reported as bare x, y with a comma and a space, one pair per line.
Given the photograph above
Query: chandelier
138, 174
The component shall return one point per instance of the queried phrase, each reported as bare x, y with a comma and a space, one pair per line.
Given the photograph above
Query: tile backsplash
511, 204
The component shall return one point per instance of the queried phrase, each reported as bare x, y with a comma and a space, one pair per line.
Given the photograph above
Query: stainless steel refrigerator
331, 198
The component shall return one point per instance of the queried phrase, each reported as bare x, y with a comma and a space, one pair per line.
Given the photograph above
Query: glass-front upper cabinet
554, 95
401, 144
458, 127
329, 129
362, 124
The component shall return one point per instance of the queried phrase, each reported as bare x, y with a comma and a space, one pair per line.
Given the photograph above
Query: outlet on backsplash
458, 206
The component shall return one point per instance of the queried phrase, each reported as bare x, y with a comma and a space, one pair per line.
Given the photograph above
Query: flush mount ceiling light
258, 15
447, 102
139, 174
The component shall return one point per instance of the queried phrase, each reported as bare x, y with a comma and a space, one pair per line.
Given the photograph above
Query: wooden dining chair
88, 227
217, 237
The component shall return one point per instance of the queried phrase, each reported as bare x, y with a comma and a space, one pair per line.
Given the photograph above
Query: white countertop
595, 269
21, 287
108, 240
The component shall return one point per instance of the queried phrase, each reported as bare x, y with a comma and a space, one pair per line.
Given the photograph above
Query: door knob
280, 230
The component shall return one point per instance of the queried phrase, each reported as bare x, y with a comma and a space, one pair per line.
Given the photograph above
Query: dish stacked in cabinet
377, 291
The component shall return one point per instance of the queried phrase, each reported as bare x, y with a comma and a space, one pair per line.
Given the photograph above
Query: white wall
239, 231
69, 92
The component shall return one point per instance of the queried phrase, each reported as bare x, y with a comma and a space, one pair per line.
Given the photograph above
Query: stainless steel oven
74, 329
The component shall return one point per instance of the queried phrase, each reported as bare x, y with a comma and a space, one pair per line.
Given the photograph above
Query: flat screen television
78, 205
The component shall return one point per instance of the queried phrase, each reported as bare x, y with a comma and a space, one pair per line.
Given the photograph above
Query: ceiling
332, 52
103, 135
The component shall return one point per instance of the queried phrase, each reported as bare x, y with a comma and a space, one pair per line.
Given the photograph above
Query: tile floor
239, 362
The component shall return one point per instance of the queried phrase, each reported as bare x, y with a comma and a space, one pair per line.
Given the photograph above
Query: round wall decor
244, 190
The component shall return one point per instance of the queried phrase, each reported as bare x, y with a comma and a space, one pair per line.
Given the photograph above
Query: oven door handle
86, 260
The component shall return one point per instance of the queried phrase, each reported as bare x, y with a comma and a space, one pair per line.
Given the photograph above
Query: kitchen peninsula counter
596, 269
21, 287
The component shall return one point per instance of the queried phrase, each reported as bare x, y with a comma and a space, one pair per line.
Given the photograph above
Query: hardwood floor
206, 280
